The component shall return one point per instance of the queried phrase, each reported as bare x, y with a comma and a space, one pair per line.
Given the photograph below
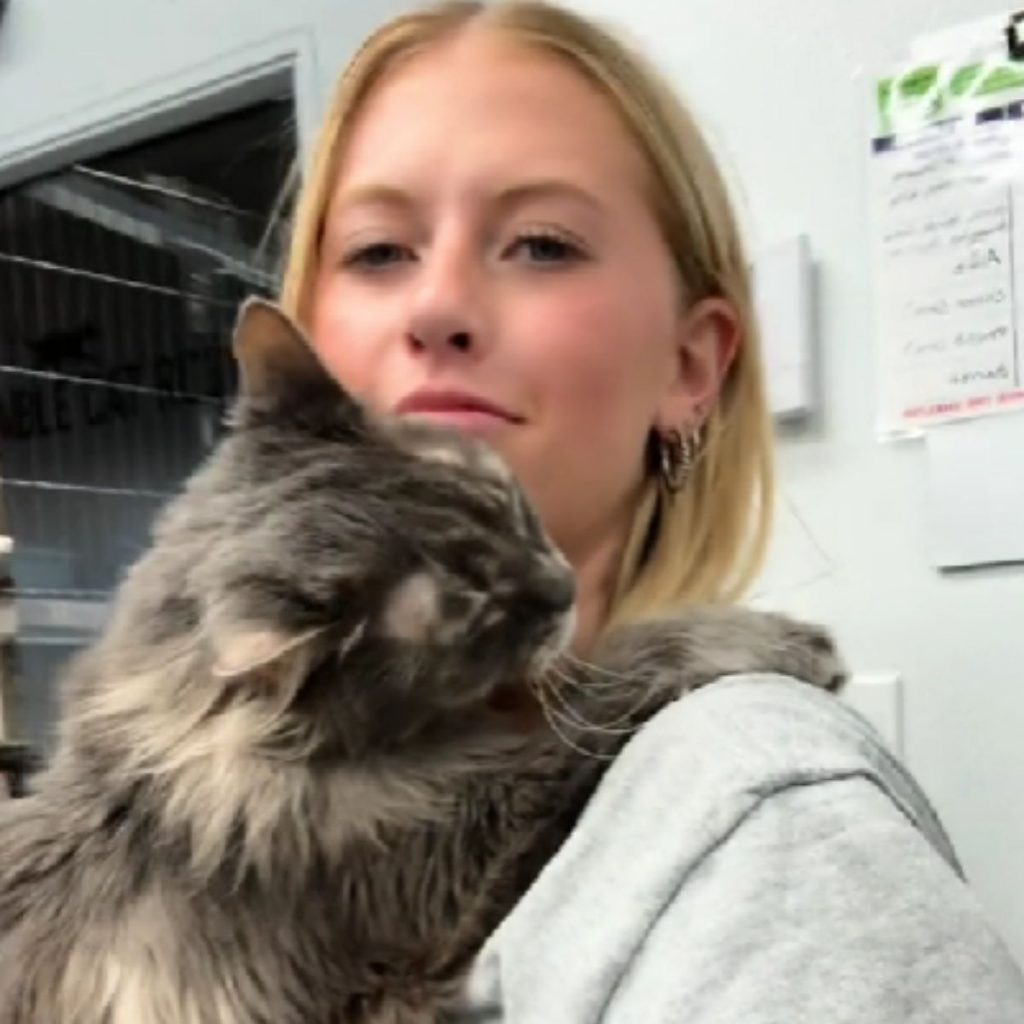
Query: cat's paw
705, 643
808, 652
750, 641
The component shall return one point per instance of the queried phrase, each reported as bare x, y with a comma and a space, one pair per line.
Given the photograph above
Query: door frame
166, 103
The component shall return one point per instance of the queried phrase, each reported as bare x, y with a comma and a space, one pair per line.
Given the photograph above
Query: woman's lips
461, 410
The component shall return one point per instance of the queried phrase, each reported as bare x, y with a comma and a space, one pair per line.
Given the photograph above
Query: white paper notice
949, 245
975, 498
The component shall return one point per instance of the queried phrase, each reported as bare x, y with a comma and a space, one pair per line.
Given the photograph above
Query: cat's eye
492, 507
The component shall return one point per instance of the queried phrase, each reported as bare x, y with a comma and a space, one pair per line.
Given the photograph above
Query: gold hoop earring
677, 455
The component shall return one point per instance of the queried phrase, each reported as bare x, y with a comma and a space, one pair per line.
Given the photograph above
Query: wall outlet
878, 696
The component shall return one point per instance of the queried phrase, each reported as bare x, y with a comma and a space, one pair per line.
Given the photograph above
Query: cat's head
368, 572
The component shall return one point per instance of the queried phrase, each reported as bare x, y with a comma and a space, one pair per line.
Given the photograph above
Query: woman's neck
596, 564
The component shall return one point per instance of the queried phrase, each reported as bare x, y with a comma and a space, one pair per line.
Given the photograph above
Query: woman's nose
446, 315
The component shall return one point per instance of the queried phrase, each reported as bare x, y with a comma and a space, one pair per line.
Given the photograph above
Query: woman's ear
707, 339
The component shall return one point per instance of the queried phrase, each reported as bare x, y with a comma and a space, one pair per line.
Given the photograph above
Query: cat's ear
272, 352
278, 365
278, 662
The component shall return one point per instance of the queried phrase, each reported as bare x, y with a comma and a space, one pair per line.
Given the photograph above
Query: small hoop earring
677, 455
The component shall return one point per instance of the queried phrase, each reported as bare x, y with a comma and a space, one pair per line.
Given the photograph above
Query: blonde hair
706, 542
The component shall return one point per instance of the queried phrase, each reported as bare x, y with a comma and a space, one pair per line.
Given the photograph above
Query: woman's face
489, 261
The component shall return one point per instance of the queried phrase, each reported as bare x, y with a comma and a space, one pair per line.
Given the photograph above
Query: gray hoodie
755, 855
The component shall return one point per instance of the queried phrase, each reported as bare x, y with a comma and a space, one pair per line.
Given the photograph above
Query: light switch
783, 293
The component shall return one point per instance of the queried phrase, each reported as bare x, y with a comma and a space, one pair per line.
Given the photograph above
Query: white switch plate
783, 293
878, 696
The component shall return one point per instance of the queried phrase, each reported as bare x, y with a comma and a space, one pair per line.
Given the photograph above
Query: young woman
513, 227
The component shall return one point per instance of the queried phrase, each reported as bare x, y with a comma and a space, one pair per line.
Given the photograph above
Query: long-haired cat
294, 783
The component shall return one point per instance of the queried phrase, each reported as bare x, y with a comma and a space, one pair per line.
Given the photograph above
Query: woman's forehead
514, 114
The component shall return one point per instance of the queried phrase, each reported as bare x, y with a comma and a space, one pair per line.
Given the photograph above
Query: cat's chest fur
171, 953
364, 929
166, 960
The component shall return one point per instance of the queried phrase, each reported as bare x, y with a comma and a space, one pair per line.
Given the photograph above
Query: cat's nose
555, 587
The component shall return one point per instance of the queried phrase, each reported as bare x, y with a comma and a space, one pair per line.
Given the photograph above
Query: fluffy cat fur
288, 787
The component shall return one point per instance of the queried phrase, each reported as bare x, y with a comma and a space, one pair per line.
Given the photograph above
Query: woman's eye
541, 247
377, 256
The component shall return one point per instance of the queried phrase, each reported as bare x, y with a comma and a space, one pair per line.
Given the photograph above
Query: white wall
782, 87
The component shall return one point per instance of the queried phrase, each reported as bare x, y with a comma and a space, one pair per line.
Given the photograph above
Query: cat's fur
288, 788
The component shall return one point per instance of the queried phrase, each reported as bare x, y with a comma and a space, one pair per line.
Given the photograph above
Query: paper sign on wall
975, 492
947, 180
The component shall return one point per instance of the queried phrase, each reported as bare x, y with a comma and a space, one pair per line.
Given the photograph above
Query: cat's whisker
589, 680
611, 727
591, 667
571, 674
576, 717
626, 713
568, 675
552, 716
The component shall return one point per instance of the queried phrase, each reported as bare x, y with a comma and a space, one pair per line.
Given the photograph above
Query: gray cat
303, 773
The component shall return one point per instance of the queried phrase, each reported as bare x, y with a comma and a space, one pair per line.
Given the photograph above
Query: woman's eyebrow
548, 188
506, 198
374, 195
